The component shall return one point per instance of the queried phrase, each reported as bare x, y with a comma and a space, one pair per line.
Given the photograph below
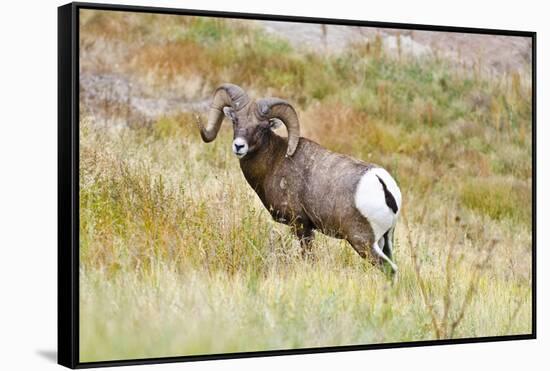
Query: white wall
28, 182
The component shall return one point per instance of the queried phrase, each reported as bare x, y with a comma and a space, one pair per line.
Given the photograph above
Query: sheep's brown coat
312, 190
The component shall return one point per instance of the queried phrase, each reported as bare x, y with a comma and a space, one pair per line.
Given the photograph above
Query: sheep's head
251, 119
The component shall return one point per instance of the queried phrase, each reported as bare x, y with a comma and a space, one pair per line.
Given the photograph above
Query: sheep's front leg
305, 235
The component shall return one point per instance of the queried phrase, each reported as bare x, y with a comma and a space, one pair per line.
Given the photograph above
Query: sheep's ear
229, 113
275, 123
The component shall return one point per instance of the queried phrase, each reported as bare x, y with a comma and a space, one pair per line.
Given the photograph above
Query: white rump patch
370, 200
392, 186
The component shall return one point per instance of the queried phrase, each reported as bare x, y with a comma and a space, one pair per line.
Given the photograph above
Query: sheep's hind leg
383, 245
378, 251
374, 254
360, 245
387, 243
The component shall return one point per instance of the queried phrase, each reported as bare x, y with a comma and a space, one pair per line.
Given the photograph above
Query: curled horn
226, 95
277, 108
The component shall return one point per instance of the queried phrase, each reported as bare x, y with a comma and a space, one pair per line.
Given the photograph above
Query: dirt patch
115, 99
491, 53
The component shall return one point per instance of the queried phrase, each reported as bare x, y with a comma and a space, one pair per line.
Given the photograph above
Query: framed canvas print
239, 185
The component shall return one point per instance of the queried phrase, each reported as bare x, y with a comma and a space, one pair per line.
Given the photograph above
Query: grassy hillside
178, 256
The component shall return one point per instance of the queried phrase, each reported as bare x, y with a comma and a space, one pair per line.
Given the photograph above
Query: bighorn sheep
303, 184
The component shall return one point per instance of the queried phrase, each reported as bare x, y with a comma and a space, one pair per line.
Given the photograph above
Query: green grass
178, 256
499, 199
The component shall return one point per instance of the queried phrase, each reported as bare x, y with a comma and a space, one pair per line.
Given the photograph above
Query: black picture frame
68, 183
